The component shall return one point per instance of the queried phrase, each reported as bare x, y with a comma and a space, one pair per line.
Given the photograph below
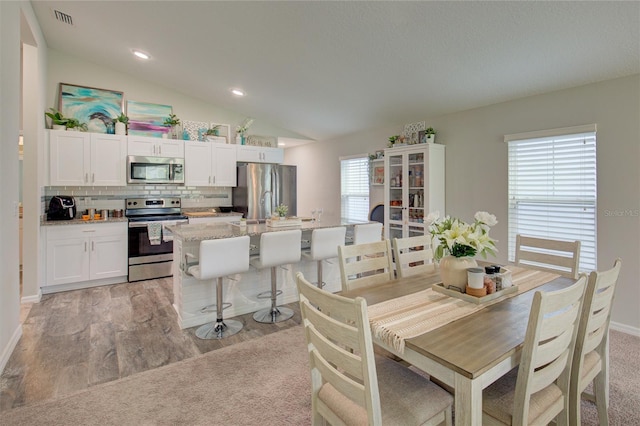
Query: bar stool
219, 258
324, 245
367, 233
276, 249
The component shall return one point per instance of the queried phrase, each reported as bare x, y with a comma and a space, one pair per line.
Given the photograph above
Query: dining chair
591, 356
537, 392
349, 384
362, 265
413, 255
560, 257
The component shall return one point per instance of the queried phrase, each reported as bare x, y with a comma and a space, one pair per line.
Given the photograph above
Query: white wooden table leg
468, 401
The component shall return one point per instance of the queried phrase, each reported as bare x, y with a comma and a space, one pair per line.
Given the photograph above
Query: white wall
63, 68
476, 167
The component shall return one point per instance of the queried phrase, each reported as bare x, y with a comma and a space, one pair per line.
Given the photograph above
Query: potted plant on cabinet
121, 122
431, 135
58, 121
74, 125
173, 122
212, 133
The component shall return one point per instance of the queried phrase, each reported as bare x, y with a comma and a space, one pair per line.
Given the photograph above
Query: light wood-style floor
81, 338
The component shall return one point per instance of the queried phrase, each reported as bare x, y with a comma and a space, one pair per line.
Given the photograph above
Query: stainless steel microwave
150, 170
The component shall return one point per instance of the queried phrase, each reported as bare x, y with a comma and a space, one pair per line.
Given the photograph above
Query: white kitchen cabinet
413, 187
260, 154
210, 164
155, 147
87, 159
85, 253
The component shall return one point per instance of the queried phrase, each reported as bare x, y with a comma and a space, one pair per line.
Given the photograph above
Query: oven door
147, 260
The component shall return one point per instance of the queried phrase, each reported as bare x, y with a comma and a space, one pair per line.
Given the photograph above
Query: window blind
354, 192
552, 191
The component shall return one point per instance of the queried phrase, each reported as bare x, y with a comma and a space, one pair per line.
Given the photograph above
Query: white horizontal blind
354, 178
552, 191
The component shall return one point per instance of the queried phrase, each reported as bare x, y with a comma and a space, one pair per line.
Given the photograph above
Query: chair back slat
365, 264
561, 257
413, 255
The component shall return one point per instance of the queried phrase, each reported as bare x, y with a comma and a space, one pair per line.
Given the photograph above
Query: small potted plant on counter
121, 122
58, 121
282, 210
173, 122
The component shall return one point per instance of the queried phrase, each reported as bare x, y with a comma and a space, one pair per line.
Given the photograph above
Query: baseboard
32, 299
634, 331
11, 345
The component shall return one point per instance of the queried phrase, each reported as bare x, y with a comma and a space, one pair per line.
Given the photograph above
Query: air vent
63, 17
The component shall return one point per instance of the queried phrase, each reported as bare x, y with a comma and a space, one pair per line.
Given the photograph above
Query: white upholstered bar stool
324, 245
219, 258
276, 249
367, 233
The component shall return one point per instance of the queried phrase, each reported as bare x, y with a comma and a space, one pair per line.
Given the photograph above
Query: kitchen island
241, 290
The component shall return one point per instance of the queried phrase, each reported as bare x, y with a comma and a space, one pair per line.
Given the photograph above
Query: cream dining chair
362, 265
591, 356
539, 392
560, 257
413, 255
349, 384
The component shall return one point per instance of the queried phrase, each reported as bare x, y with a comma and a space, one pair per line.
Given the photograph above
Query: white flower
432, 217
486, 218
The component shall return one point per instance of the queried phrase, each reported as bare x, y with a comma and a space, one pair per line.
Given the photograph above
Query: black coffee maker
62, 207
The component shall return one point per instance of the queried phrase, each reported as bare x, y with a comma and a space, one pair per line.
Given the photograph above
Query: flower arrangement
461, 239
242, 128
282, 210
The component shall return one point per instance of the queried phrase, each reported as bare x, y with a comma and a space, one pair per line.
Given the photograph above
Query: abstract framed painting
147, 119
90, 105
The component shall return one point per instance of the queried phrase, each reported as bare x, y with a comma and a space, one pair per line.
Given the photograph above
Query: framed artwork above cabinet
376, 172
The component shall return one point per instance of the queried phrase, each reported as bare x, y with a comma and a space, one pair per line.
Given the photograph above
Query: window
552, 188
354, 188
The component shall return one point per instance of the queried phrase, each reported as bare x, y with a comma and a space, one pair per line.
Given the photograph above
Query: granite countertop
213, 231
207, 212
44, 222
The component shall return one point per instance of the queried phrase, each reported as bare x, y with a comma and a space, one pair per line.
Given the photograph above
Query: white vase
121, 128
431, 138
453, 271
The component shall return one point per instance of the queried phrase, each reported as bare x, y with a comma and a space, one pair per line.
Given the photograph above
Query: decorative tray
439, 287
288, 222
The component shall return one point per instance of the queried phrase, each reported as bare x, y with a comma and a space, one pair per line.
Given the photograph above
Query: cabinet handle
209, 180
160, 150
154, 149
86, 177
93, 177
214, 180
85, 246
93, 246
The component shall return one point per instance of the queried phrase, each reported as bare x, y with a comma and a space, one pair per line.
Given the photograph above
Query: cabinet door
69, 158
273, 155
67, 260
108, 160
250, 154
394, 196
224, 165
197, 164
170, 148
108, 256
142, 145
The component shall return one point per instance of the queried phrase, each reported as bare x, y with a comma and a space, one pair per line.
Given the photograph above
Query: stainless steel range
150, 243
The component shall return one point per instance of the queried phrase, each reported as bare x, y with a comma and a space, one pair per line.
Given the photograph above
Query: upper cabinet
413, 186
156, 147
86, 159
260, 154
209, 164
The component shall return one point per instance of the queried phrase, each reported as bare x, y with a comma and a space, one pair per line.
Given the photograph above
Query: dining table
465, 346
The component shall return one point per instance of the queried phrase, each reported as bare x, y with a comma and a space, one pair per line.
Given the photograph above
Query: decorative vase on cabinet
453, 271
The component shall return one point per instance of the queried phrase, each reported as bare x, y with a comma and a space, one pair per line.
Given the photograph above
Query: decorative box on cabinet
210, 164
155, 147
86, 255
86, 159
413, 187
260, 154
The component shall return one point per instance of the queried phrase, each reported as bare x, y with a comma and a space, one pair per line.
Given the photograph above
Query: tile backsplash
112, 197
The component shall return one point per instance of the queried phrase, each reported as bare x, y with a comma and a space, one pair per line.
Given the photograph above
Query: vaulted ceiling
325, 69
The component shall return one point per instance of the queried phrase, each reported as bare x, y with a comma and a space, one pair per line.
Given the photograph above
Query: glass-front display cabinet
414, 186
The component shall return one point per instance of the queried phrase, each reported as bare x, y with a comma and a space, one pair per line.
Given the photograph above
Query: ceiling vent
63, 17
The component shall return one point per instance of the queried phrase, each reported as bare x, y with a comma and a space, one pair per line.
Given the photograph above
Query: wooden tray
288, 222
439, 287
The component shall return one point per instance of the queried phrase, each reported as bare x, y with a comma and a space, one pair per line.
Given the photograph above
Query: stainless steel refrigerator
262, 187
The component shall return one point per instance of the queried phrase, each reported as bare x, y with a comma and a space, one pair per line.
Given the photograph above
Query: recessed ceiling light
140, 54
238, 92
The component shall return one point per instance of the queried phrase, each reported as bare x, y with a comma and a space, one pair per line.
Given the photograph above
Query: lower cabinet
85, 253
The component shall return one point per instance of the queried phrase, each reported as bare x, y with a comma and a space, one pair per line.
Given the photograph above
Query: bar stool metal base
273, 315
219, 329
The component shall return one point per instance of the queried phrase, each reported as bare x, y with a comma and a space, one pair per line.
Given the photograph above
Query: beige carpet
264, 381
